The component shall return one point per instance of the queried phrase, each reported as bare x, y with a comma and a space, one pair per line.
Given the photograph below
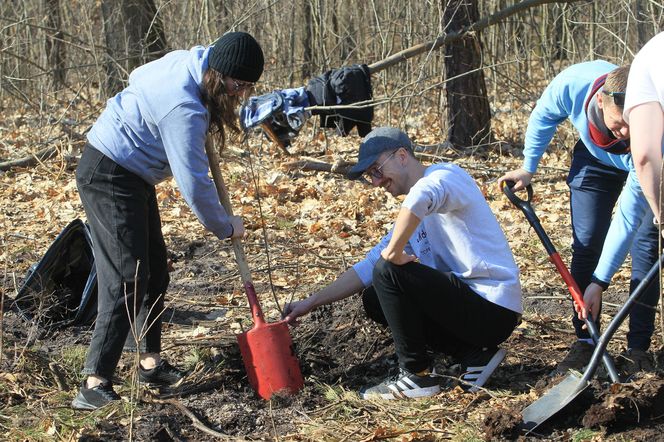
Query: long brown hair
221, 107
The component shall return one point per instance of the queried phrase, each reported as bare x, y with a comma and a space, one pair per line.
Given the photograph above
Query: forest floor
304, 228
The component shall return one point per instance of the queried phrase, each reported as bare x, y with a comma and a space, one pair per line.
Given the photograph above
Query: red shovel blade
269, 358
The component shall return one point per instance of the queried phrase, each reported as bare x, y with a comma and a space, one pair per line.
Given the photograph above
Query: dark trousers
130, 258
594, 190
427, 309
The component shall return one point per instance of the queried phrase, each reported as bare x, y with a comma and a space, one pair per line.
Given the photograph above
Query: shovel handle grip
528, 210
238, 248
506, 187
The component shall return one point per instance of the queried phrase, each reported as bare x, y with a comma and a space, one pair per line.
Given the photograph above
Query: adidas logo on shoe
478, 366
404, 385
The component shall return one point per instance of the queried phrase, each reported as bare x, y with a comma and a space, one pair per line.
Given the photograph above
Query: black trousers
427, 309
130, 258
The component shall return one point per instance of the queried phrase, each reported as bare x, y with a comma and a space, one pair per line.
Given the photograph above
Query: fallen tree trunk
29, 160
340, 167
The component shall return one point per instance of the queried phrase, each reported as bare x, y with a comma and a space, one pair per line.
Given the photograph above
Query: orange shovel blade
269, 358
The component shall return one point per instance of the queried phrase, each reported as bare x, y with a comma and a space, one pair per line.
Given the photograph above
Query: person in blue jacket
443, 279
154, 129
591, 95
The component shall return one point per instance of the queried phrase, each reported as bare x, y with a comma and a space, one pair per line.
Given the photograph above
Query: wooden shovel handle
224, 199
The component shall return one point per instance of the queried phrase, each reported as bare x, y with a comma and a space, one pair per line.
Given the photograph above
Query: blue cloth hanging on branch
284, 110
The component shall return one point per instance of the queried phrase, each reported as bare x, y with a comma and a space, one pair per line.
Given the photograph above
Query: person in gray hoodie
443, 279
154, 129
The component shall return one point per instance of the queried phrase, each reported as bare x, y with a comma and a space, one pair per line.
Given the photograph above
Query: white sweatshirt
458, 234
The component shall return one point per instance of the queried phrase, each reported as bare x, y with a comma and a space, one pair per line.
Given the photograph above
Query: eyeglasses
618, 97
239, 85
375, 172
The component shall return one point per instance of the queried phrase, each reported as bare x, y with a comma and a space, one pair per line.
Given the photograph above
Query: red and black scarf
602, 137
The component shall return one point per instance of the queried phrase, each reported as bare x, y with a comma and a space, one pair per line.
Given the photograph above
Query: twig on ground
200, 388
60, 380
205, 341
135, 387
545, 297
195, 420
274, 427
349, 435
2, 306
371, 347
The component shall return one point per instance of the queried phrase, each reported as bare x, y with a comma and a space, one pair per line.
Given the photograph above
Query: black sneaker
479, 365
94, 398
404, 385
633, 361
163, 374
576, 359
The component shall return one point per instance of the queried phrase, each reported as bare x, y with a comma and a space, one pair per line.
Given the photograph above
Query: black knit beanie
237, 55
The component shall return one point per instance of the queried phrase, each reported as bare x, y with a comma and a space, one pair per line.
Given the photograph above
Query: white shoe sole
477, 376
407, 394
79, 405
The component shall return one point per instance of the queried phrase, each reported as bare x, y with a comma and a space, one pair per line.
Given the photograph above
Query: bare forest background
55, 54
465, 97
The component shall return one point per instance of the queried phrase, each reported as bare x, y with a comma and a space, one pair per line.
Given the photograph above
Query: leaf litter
317, 225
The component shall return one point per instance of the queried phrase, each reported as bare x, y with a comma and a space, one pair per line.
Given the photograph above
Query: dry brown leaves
316, 224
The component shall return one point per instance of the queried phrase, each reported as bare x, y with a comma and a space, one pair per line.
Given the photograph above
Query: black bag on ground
61, 289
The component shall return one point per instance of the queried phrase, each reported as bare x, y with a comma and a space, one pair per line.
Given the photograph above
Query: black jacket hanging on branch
343, 86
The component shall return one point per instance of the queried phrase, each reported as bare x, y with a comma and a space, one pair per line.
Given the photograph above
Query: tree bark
307, 49
55, 49
468, 112
641, 23
134, 35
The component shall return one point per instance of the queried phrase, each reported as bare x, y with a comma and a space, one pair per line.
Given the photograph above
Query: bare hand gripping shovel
569, 388
267, 349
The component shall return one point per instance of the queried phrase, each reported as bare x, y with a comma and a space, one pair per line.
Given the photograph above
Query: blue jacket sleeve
183, 132
630, 213
553, 107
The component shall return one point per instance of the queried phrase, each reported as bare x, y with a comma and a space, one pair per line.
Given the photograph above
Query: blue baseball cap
379, 140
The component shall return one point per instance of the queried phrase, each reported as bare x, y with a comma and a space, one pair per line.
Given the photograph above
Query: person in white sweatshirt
644, 112
443, 279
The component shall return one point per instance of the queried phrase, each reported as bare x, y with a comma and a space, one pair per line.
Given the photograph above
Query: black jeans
425, 308
594, 190
130, 258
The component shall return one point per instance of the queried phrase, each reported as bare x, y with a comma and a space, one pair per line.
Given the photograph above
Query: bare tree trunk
134, 35
641, 22
468, 113
307, 49
55, 49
